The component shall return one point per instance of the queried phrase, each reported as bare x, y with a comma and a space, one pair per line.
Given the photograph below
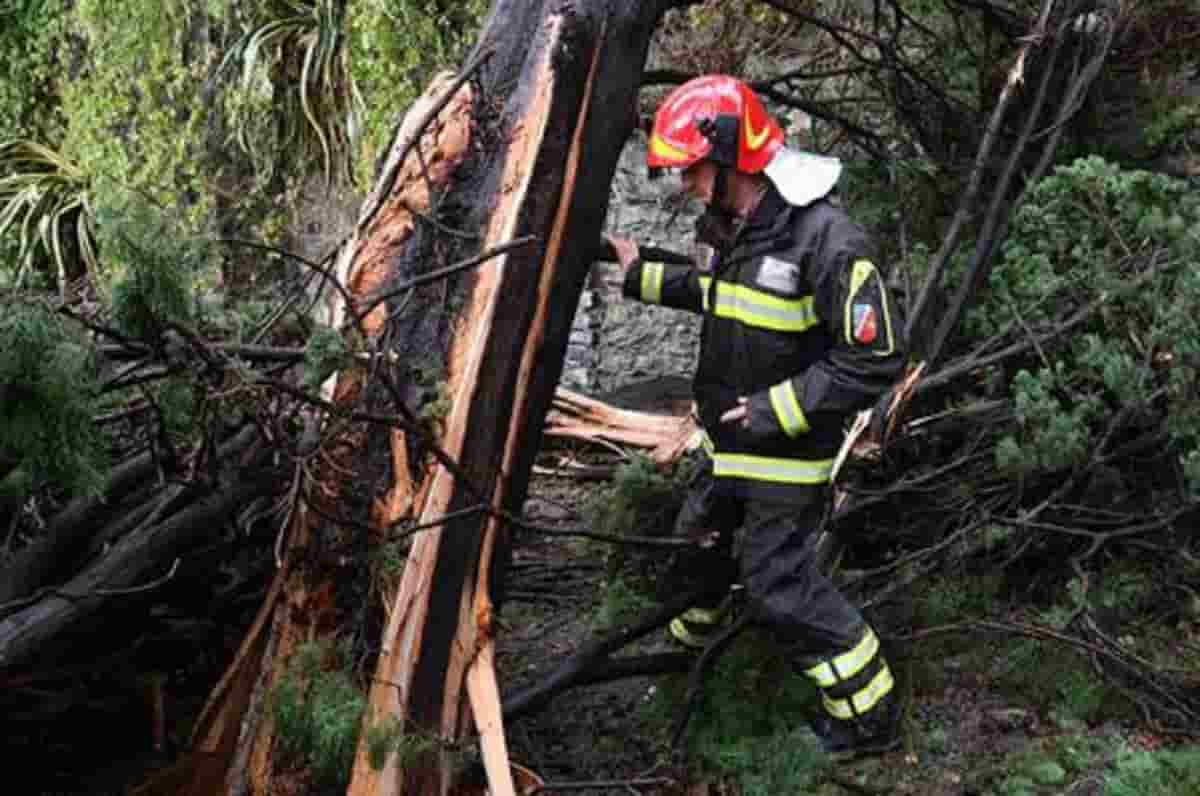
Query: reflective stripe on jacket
798, 319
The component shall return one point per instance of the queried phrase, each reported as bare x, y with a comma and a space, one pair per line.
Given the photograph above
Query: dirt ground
964, 735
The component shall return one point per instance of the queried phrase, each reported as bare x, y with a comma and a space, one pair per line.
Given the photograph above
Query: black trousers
770, 548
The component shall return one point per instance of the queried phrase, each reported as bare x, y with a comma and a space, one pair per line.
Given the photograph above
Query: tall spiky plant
44, 197
302, 48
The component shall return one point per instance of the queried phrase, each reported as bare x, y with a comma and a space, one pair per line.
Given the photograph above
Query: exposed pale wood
220, 737
444, 144
483, 690
399, 655
484, 693
665, 437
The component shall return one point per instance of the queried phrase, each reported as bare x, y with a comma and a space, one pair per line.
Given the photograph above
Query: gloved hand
754, 416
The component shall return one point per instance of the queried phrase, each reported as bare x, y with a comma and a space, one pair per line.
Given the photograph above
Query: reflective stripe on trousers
844, 694
861, 701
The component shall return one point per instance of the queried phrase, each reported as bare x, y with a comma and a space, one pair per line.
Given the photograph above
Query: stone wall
617, 341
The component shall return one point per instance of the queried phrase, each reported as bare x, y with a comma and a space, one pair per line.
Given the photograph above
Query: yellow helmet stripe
755, 140
660, 147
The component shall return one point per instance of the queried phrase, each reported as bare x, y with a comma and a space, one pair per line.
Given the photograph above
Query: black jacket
797, 318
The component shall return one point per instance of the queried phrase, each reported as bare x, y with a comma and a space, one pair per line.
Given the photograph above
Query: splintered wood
665, 437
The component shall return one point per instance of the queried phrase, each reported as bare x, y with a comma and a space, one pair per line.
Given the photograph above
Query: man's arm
866, 358
676, 286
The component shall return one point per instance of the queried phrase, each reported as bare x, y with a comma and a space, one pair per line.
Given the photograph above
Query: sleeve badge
866, 324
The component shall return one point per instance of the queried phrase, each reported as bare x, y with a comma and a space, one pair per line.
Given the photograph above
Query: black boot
873, 733
699, 625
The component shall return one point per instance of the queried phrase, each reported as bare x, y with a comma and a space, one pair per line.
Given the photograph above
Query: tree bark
33, 566
134, 562
74, 528
527, 151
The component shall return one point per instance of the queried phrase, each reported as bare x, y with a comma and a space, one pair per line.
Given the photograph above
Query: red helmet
715, 117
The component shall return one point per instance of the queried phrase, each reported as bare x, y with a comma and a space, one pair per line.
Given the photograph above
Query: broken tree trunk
520, 163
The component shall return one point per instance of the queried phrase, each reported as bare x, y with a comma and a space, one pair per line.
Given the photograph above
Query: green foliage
1082, 236
642, 500
1166, 772
31, 43
47, 391
871, 189
154, 267
1123, 588
44, 198
750, 726
317, 712
1049, 676
394, 47
388, 738
130, 89
137, 112
296, 61
1175, 124
623, 601
1059, 429
951, 599
438, 409
176, 401
326, 352
147, 297
1045, 765
388, 559
382, 740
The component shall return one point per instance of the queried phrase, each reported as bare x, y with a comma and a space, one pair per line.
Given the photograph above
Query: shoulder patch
778, 275
866, 325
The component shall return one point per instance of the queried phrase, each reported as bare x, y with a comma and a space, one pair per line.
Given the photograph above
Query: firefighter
798, 333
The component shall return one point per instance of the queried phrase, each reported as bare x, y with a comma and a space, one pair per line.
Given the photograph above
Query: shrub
154, 267
47, 394
643, 500
317, 713
1083, 236
750, 724
1166, 772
